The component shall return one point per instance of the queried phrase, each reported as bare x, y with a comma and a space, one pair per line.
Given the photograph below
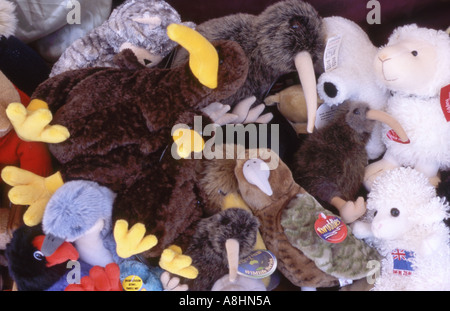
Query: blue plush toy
137, 276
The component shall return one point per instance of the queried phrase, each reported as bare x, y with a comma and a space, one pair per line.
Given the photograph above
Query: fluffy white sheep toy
407, 227
349, 73
414, 67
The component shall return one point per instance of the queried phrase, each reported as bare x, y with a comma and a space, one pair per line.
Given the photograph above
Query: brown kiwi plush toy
286, 37
330, 163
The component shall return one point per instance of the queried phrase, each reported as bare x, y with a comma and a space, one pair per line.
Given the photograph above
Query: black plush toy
28, 267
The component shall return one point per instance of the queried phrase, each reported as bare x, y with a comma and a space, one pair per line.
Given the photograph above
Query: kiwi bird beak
203, 57
387, 119
232, 248
257, 173
305, 68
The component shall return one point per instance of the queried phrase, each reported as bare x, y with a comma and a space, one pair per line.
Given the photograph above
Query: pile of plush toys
125, 191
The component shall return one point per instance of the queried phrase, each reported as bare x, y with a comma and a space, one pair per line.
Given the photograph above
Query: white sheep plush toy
407, 227
415, 67
349, 73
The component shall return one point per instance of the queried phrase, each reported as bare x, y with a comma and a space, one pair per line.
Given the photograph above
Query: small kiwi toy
330, 163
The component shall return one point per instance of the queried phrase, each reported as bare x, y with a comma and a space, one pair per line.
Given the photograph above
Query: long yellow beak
203, 57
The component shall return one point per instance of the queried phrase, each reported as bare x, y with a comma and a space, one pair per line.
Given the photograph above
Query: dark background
425, 13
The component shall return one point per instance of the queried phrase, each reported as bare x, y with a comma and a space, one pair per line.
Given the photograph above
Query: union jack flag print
402, 262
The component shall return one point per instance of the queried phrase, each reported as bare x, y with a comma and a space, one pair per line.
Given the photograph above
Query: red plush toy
32, 156
99, 279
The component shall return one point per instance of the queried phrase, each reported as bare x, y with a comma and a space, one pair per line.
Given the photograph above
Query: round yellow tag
132, 283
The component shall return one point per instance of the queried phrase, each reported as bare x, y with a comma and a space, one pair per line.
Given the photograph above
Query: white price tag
325, 114
331, 54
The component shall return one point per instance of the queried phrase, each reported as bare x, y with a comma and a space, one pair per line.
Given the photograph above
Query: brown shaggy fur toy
331, 161
271, 40
120, 122
207, 247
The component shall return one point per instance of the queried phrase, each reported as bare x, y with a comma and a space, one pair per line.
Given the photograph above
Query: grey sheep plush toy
287, 36
139, 25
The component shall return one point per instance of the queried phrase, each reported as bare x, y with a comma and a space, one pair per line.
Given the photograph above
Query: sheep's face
390, 223
406, 66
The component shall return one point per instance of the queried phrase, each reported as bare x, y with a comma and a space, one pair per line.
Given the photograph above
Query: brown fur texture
216, 176
292, 263
331, 161
207, 248
270, 40
217, 181
120, 124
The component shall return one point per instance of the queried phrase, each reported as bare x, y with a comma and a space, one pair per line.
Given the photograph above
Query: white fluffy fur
415, 82
354, 77
8, 20
419, 228
428, 131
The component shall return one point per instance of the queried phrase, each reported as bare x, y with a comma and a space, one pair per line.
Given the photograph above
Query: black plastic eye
296, 23
375, 213
38, 255
414, 53
356, 111
395, 212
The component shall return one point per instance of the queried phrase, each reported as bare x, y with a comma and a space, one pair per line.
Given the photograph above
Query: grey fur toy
80, 211
208, 248
139, 25
285, 37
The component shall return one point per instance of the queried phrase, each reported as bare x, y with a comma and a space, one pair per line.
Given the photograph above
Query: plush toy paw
99, 279
133, 241
351, 211
241, 114
361, 230
172, 283
218, 113
174, 262
203, 57
32, 123
186, 141
31, 189
246, 114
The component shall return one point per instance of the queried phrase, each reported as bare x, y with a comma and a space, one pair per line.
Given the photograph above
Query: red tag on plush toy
330, 228
445, 101
392, 135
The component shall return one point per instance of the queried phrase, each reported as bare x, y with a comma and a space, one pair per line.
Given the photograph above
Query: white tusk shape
232, 247
305, 69
257, 173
